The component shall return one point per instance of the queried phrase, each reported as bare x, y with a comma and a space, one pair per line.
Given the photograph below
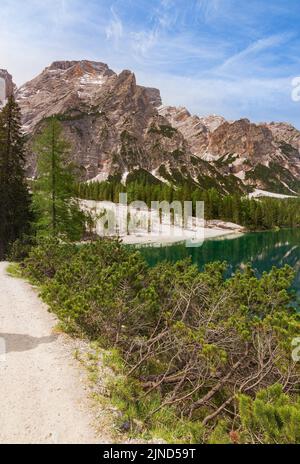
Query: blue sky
236, 58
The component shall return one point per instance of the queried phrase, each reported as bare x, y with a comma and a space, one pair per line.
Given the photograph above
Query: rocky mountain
116, 126
113, 125
263, 156
7, 87
111, 122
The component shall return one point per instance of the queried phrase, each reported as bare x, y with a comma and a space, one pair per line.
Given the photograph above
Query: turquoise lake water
262, 249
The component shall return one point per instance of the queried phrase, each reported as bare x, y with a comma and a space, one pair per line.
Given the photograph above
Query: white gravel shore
162, 232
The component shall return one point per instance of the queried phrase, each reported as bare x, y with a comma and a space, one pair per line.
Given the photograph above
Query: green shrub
46, 258
21, 248
186, 341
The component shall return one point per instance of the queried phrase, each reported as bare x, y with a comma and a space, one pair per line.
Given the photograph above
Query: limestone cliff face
247, 140
285, 133
112, 123
265, 156
7, 87
191, 127
116, 126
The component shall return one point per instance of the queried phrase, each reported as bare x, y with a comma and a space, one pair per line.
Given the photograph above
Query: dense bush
191, 343
272, 415
45, 259
20, 248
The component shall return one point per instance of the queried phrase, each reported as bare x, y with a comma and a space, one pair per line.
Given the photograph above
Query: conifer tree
54, 195
272, 417
14, 196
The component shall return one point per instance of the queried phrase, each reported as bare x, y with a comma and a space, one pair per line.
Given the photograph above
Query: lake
262, 249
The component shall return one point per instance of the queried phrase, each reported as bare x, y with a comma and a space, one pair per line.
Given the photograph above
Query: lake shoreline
156, 241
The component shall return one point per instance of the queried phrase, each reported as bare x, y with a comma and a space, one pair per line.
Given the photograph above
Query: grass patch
14, 270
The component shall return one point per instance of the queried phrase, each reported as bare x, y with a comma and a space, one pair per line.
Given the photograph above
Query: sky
236, 58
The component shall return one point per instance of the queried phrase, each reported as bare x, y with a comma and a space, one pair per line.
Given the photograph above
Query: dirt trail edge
43, 392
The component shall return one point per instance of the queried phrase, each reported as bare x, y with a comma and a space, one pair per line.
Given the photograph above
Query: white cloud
114, 30
143, 41
234, 63
253, 98
209, 8
182, 46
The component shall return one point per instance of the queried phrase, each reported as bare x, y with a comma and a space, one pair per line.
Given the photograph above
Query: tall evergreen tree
14, 196
54, 193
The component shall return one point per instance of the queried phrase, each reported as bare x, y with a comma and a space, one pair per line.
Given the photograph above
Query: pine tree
54, 196
15, 212
273, 417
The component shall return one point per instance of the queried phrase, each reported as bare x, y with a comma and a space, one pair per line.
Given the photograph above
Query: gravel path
43, 391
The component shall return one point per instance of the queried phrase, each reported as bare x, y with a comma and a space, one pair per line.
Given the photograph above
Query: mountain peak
116, 126
85, 65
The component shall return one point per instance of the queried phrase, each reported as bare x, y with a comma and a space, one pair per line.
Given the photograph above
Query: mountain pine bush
193, 345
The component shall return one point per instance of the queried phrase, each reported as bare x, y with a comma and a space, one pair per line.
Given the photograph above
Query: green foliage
20, 248
14, 270
220, 435
54, 191
71, 115
143, 177
274, 177
262, 214
183, 343
46, 258
163, 130
288, 149
127, 396
15, 214
272, 417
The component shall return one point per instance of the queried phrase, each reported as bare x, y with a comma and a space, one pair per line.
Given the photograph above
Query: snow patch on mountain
262, 193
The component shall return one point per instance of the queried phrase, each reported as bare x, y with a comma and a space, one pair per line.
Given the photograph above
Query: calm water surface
262, 249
